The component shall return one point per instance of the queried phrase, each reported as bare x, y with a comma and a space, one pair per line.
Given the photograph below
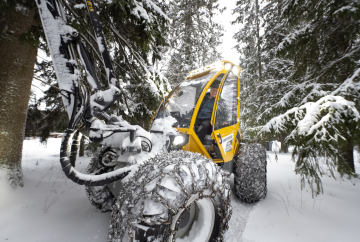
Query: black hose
86, 179
76, 93
74, 147
148, 142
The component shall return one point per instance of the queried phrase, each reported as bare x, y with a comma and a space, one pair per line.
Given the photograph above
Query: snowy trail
237, 224
52, 208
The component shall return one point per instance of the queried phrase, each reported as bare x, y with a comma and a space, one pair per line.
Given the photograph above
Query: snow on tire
99, 196
176, 195
250, 173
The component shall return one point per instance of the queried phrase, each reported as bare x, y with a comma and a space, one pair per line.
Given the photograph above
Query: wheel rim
108, 158
195, 224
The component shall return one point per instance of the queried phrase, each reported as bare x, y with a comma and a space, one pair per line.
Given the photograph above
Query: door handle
220, 139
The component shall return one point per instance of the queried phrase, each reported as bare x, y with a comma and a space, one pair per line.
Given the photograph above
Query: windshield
183, 99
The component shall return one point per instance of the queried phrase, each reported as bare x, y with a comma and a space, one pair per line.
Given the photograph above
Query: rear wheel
101, 196
175, 196
250, 173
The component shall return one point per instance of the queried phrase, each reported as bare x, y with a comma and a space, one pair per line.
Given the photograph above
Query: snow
348, 84
139, 10
52, 208
164, 124
20, 8
158, 10
292, 36
349, 7
289, 214
102, 177
79, 6
201, 227
101, 46
311, 120
216, 65
48, 207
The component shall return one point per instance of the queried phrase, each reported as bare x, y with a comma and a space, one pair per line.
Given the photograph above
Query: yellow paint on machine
227, 137
91, 9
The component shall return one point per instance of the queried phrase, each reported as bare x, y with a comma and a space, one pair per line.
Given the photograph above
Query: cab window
227, 106
182, 101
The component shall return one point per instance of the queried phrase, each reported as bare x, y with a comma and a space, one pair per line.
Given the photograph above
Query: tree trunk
82, 146
258, 46
284, 147
188, 40
16, 71
258, 49
348, 155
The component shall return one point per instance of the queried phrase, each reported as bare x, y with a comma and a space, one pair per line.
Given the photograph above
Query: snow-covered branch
315, 118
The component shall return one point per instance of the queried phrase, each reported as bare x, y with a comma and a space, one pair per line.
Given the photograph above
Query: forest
299, 79
299, 60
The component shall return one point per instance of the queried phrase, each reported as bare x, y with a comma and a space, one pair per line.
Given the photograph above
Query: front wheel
174, 196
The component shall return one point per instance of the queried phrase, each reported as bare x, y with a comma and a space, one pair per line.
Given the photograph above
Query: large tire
99, 196
167, 197
250, 173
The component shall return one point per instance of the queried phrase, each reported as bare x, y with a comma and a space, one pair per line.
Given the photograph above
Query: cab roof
224, 64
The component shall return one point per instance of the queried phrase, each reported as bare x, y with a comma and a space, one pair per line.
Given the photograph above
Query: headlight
178, 140
236, 70
228, 66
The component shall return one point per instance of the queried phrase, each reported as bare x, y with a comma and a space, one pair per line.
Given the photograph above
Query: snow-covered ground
52, 208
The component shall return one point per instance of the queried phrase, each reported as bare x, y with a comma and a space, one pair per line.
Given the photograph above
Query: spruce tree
276, 70
194, 37
134, 31
18, 54
251, 61
306, 90
322, 100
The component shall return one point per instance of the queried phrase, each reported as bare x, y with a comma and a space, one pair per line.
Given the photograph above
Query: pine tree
194, 37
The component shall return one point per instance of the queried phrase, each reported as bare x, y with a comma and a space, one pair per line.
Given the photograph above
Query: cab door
226, 115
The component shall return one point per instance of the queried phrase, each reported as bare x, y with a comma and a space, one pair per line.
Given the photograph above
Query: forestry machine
162, 185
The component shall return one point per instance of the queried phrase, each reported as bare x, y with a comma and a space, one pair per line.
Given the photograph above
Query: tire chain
250, 165
139, 180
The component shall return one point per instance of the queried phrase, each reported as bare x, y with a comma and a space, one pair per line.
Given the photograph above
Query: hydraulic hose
86, 179
74, 147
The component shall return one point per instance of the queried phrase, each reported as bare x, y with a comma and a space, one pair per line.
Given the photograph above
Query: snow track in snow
52, 208
240, 215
